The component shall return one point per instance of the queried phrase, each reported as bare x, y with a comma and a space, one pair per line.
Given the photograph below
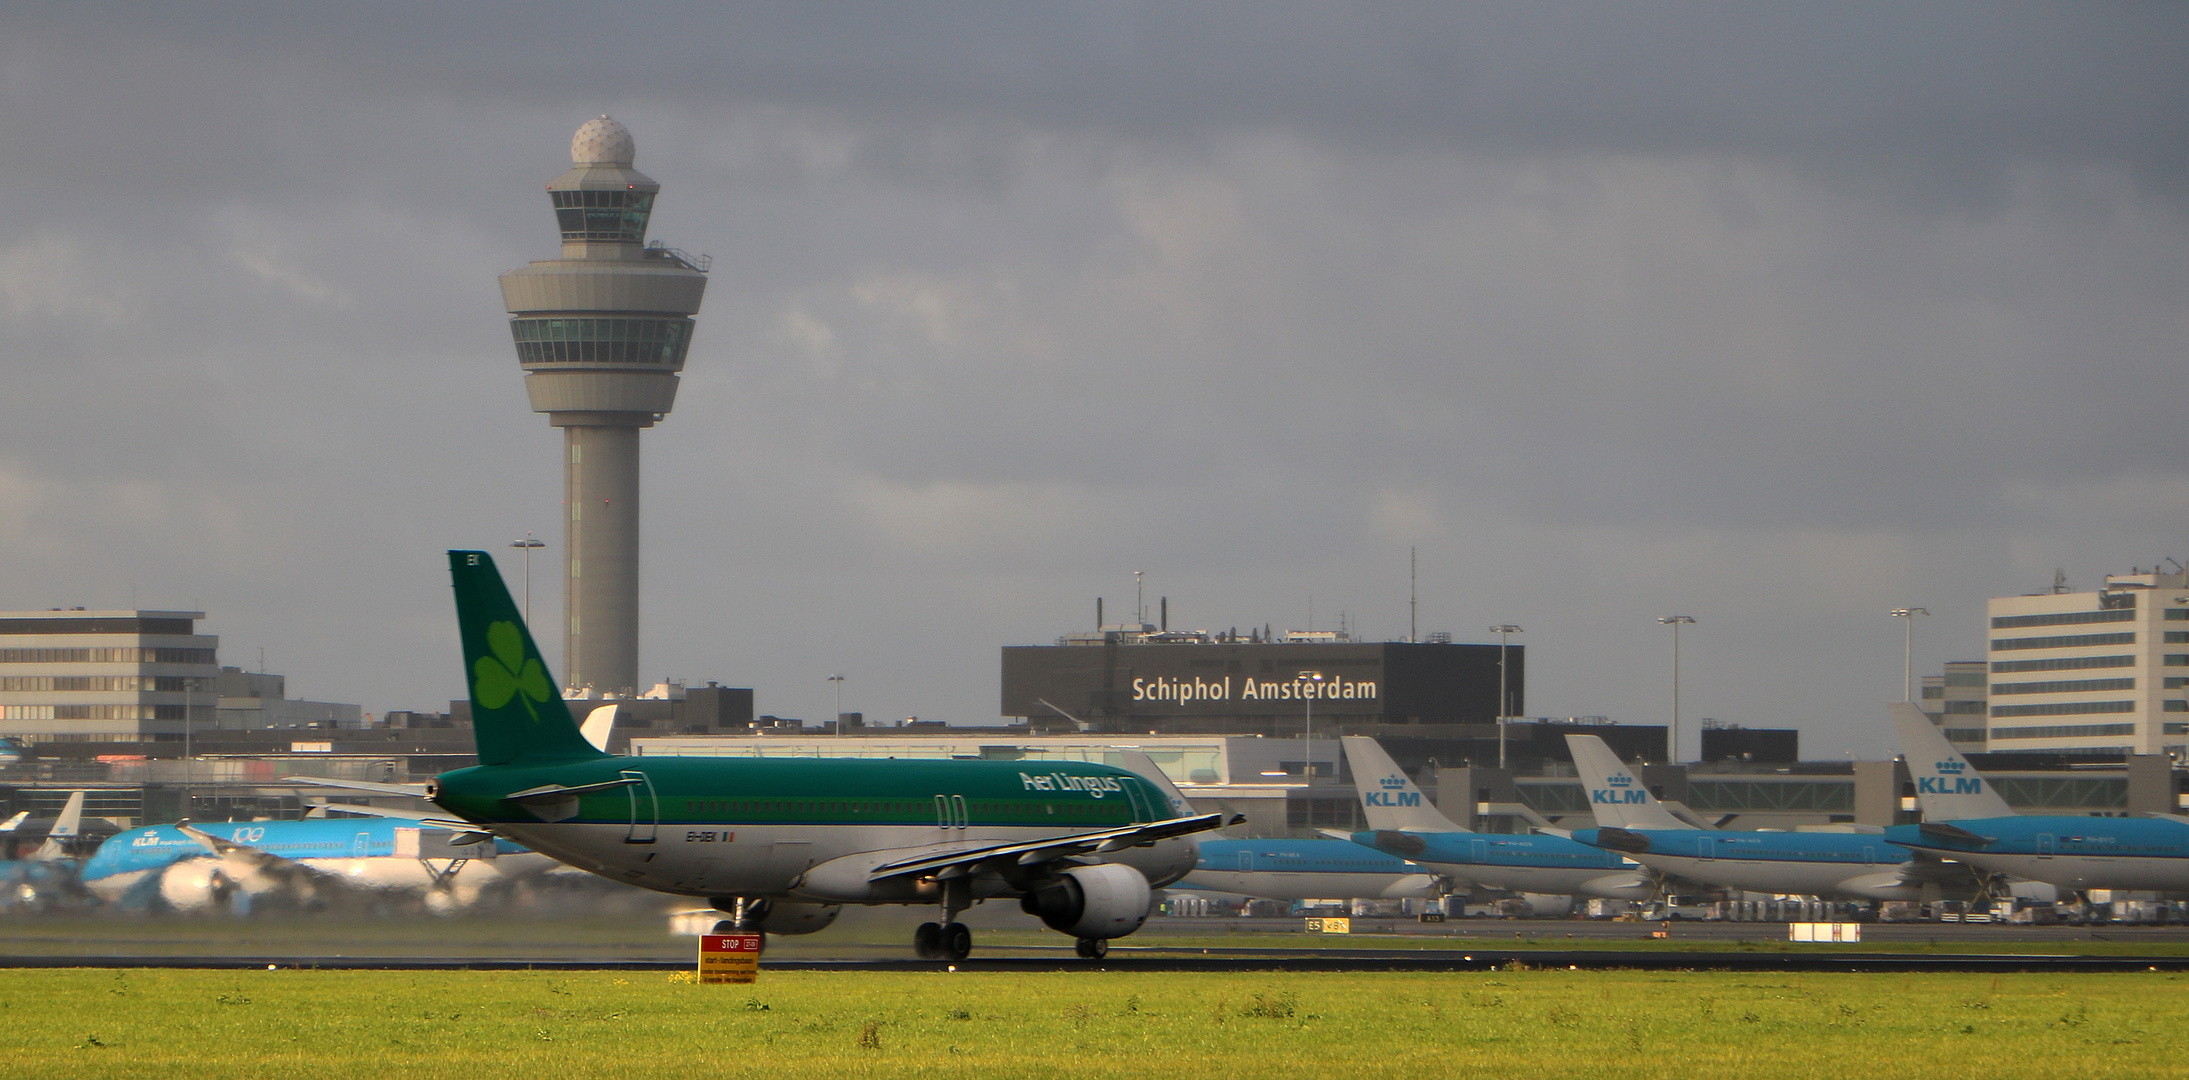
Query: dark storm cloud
1781, 315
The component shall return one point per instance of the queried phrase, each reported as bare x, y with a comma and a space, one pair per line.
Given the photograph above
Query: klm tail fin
517, 713
1617, 797
1946, 786
1389, 800
65, 828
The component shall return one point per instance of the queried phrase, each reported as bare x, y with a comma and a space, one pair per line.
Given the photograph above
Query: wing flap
1029, 852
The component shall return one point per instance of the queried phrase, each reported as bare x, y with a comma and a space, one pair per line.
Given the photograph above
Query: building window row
2174, 705
93, 712
97, 737
2064, 641
2062, 731
2177, 614
602, 341
40, 683
2064, 686
2065, 708
2177, 637
2062, 663
614, 216
122, 655
1966, 735
2174, 729
1965, 708
2062, 618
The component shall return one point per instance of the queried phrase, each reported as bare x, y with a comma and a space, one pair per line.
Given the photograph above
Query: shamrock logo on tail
508, 674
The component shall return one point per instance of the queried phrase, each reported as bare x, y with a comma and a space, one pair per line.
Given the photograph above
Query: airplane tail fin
1617, 797
1946, 785
65, 828
517, 712
1389, 800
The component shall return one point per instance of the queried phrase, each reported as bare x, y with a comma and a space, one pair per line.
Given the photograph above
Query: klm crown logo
1619, 790
1952, 780
1393, 793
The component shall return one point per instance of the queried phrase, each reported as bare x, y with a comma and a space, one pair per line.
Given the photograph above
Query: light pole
529, 544
1504, 703
1907, 648
839, 681
1672, 734
1311, 684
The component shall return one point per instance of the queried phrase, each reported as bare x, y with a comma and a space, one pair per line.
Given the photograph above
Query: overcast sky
1776, 316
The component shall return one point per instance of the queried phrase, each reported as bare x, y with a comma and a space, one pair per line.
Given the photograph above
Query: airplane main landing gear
745, 917
1093, 948
942, 941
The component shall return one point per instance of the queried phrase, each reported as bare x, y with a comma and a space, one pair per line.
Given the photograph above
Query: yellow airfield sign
729, 958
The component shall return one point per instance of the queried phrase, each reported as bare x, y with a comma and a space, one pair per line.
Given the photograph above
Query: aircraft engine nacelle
1105, 901
788, 918
195, 885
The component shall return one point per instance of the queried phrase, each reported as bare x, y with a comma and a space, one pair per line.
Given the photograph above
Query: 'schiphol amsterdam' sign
1228, 688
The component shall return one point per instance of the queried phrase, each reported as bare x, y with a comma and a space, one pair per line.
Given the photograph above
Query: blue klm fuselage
1860, 865
2071, 852
1305, 870
127, 856
1516, 862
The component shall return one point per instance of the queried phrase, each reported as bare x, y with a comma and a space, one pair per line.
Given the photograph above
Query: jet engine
1103, 901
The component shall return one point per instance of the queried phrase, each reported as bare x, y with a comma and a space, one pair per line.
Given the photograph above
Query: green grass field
476, 1025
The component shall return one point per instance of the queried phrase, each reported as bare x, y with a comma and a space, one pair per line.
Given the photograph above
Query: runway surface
1006, 941
1213, 960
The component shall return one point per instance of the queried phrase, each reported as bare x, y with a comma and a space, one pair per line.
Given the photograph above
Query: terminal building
1135, 678
2091, 672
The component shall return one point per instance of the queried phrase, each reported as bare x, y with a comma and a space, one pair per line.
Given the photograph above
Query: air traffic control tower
601, 333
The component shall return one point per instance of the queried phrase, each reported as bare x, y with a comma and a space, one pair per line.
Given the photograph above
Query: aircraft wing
962, 861
413, 790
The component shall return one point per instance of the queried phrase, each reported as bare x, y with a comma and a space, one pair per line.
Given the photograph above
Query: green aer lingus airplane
778, 844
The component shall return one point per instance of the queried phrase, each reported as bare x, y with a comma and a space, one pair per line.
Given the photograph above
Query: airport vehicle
1852, 865
1971, 823
1308, 870
242, 865
1402, 822
779, 844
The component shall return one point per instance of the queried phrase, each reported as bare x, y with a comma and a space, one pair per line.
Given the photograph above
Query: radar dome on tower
602, 141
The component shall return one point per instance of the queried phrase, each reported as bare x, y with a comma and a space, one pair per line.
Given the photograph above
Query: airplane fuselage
1860, 866
1306, 870
2070, 852
1517, 863
759, 827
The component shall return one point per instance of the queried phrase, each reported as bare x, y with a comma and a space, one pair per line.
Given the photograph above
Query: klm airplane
1307, 870
1860, 866
780, 844
1401, 822
1969, 822
242, 864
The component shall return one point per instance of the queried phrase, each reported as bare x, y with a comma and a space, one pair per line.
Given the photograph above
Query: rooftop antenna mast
1413, 598
1140, 602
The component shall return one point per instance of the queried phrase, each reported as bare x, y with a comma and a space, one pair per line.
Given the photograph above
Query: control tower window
602, 341
616, 216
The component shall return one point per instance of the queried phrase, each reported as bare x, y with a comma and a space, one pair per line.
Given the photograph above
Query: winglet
1617, 797
517, 711
1143, 766
1388, 798
1946, 785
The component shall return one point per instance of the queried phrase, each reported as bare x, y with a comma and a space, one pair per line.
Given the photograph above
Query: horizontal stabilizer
417, 791
1621, 840
1953, 834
